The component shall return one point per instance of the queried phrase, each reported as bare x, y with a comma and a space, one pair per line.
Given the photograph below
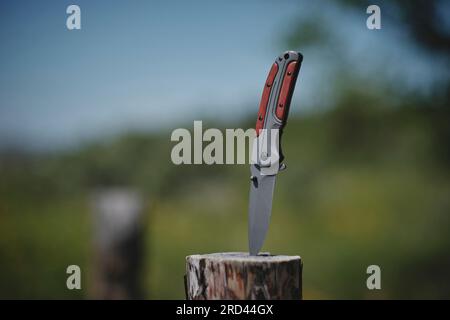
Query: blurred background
85, 124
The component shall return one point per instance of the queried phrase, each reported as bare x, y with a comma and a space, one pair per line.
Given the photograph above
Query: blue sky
149, 65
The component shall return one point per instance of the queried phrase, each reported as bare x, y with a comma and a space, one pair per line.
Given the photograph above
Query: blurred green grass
364, 185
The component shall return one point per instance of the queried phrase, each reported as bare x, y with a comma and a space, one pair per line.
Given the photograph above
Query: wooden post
118, 241
237, 276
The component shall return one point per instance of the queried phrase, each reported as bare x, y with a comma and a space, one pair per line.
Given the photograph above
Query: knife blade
267, 155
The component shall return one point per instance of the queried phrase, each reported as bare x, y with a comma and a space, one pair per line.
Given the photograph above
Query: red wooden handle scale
287, 88
277, 92
265, 98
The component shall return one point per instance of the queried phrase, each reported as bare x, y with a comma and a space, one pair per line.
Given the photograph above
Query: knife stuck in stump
254, 275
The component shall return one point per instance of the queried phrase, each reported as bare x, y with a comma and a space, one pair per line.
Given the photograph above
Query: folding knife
267, 157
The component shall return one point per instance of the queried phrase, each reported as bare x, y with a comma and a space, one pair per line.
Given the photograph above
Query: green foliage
364, 185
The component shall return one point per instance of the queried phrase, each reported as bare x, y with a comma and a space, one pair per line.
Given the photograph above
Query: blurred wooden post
237, 276
117, 215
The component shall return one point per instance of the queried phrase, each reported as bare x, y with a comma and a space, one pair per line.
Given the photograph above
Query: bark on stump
238, 276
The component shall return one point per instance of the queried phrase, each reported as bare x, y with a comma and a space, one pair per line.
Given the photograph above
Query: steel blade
261, 193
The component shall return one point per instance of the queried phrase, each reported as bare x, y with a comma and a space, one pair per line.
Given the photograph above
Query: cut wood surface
237, 276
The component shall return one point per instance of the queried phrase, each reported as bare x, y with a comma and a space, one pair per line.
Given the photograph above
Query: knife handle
277, 92
277, 95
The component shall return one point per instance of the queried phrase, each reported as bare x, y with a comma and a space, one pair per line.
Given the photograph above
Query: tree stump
118, 244
239, 276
